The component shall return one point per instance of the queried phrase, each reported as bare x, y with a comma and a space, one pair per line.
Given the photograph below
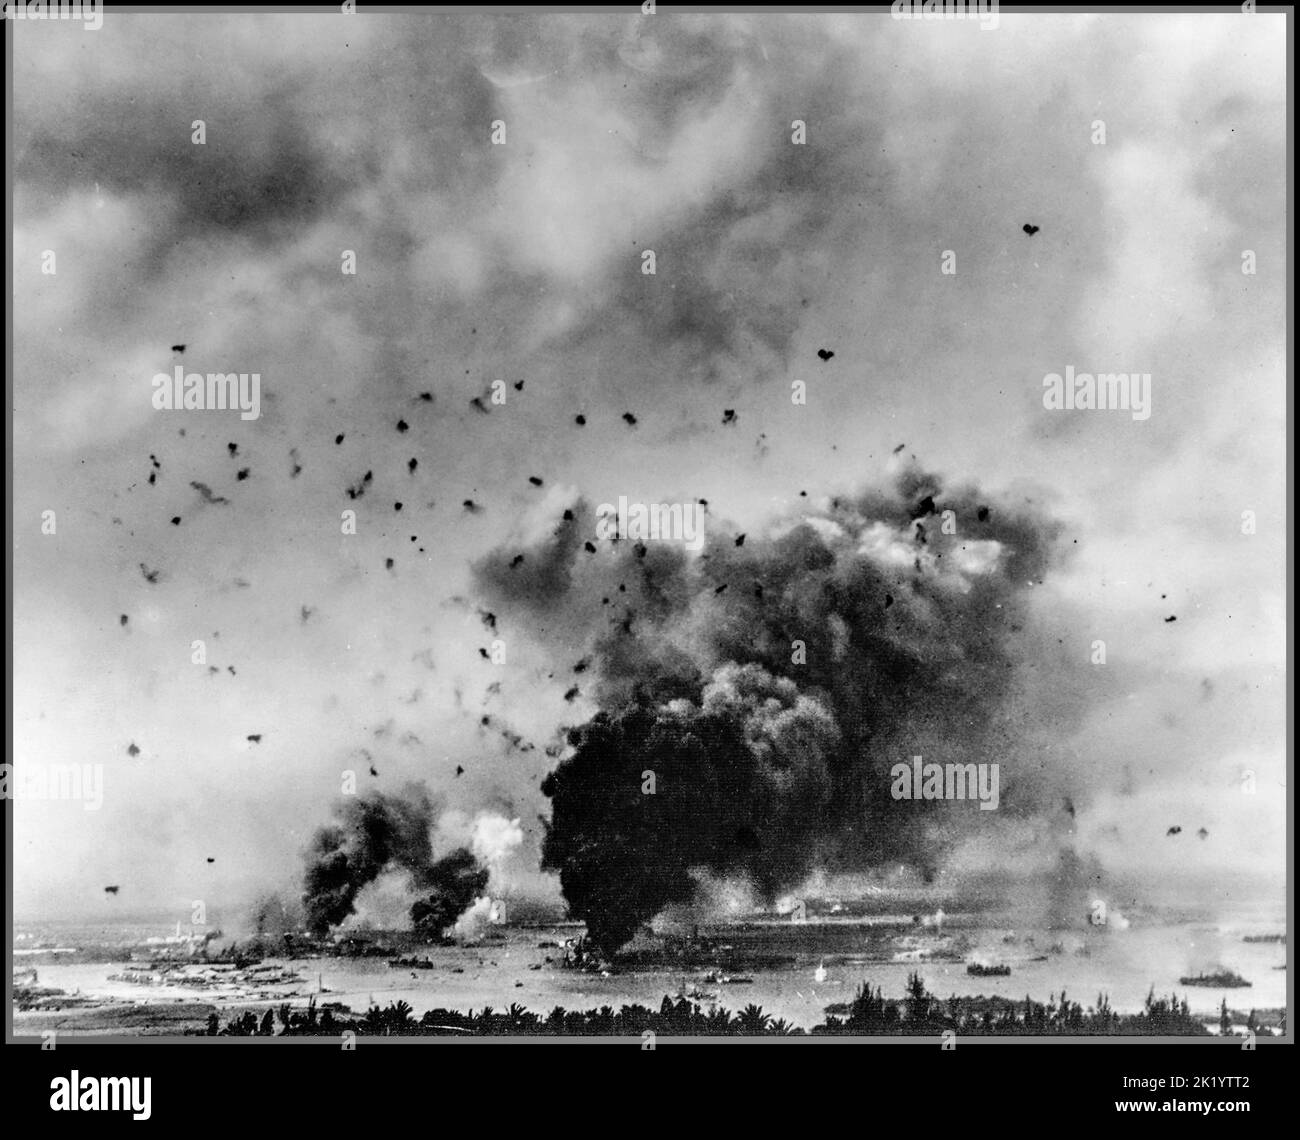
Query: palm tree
753, 1021
519, 1016
719, 1021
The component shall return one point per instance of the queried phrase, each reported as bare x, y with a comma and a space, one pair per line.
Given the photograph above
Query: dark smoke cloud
771, 687
741, 782
447, 889
376, 832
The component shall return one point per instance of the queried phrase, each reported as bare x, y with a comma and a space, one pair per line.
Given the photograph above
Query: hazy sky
522, 262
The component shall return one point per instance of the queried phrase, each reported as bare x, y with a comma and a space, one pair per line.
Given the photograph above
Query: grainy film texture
649, 523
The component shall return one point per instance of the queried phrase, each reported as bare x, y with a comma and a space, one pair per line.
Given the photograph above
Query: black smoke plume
753, 700
376, 832
447, 890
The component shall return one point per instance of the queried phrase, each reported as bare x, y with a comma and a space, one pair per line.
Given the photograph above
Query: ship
1220, 980
140, 976
695, 993
978, 970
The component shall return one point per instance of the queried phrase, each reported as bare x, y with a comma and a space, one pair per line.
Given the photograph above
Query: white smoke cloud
472, 924
493, 838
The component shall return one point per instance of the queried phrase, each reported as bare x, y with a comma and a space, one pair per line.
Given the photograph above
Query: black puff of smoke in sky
375, 832
769, 759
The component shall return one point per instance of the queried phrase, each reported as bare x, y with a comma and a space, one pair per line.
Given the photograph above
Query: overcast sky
522, 262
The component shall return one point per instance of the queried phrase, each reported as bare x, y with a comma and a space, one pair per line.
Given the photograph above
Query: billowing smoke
739, 780
376, 832
496, 841
447, 888
493, 838
752, 701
